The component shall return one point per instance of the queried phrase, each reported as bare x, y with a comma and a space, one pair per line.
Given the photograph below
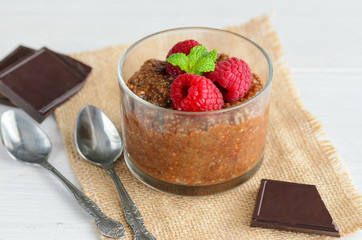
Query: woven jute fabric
295, 151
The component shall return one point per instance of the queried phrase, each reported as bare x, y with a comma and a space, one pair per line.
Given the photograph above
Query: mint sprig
197, 62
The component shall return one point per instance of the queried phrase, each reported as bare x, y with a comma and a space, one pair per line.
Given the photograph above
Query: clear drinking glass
194, 153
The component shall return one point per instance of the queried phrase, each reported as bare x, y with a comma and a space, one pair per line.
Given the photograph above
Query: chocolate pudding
186, 149
194, 116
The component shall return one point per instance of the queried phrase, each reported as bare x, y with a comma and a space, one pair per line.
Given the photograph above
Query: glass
194, 153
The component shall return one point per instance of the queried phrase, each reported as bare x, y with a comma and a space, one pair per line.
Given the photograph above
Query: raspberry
233, 77
181, 47
195, 93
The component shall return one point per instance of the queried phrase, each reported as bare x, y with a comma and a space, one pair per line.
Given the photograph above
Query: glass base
189, 190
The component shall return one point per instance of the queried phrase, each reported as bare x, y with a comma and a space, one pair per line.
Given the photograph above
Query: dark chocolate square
41, 81
22, 52
294, 207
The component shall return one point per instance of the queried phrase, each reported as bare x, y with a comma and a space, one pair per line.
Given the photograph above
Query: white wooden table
323, 47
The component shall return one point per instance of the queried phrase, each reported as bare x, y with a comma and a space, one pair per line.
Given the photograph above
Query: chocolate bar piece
41, 81
22, 52
292, 207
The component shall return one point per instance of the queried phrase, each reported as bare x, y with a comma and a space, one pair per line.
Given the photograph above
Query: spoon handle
133, 216
107, 226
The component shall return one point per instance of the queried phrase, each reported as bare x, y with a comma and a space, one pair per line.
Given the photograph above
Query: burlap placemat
294, 152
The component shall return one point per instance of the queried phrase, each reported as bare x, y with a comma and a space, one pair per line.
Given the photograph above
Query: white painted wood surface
322, 41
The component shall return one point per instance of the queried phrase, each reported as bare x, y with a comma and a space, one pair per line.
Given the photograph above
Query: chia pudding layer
187, 149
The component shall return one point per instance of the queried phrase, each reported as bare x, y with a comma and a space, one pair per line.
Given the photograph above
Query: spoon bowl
96, 137
23, 139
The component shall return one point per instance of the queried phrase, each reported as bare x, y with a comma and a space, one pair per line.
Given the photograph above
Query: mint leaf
197, 62
206, 63
178, 59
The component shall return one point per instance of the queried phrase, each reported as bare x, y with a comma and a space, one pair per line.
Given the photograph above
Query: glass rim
137, 98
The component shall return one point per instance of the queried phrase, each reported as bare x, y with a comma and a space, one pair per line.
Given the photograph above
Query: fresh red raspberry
181, 47
233, 77
194, 93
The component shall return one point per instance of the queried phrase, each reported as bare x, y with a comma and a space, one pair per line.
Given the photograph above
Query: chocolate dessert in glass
194, 109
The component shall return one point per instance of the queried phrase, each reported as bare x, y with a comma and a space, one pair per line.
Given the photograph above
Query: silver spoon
24, 140
98, 141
